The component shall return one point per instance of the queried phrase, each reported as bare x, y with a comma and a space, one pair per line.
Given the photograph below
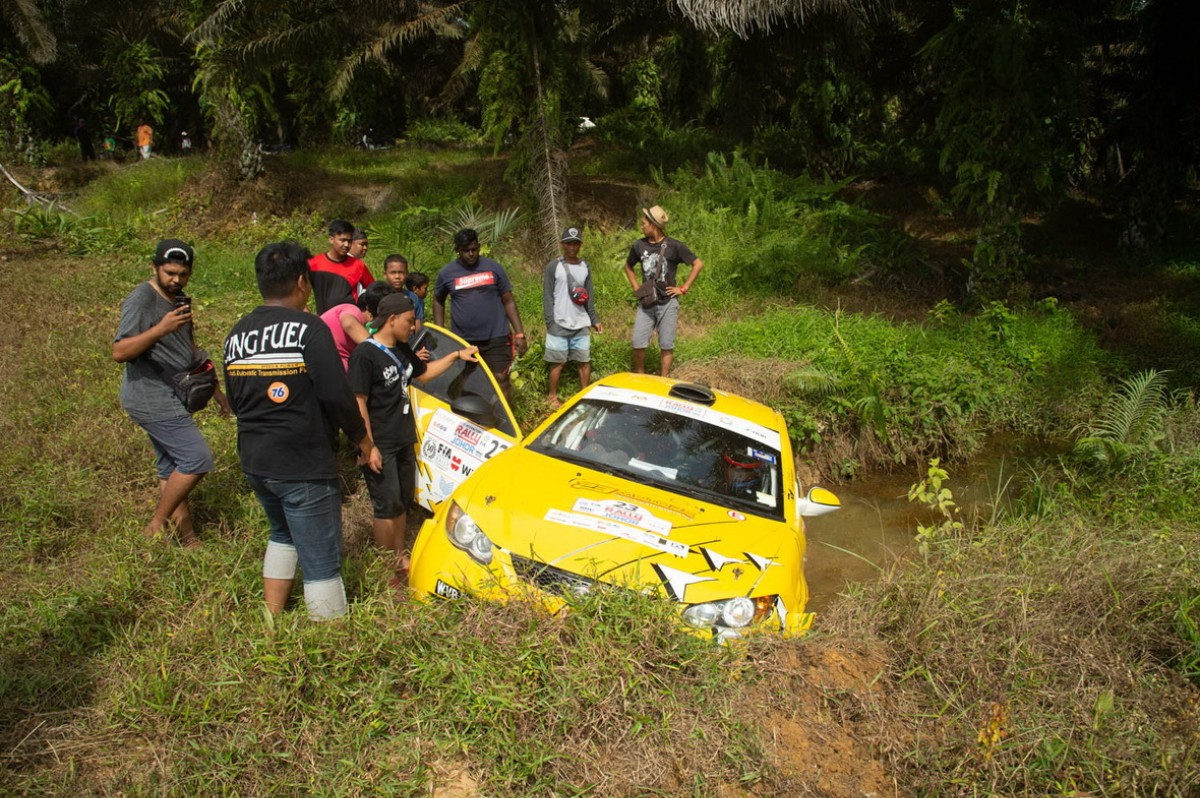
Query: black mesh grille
551, 579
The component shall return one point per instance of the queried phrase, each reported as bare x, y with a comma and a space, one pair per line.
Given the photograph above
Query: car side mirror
819, 501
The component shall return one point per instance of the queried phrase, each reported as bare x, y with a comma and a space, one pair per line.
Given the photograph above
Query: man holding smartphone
155, 342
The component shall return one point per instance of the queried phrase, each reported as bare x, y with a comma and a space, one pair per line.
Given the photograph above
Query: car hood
543, 511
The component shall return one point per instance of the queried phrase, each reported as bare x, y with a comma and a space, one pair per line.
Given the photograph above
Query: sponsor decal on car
606, 527
625, 513
580, 483
764, 435
453, 448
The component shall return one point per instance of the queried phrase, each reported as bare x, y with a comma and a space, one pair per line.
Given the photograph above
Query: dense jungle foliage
1004, 106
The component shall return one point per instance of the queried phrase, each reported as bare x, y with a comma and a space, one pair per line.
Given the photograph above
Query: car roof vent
691, 392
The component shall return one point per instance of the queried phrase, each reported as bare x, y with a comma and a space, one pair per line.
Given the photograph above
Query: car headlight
734, 613
466, 535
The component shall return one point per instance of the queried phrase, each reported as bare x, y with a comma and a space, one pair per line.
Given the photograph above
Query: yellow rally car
638, 481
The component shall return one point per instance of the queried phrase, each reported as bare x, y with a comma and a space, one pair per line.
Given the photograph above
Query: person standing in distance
155, 340
145, 139
290, 395
482, 309
659, 257
569, 309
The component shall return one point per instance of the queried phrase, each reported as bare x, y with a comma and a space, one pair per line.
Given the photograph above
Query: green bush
442, 131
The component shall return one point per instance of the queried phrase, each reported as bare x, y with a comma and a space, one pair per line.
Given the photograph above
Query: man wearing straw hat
660, 257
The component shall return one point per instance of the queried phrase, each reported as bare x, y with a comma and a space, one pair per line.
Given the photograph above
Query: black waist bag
196, 386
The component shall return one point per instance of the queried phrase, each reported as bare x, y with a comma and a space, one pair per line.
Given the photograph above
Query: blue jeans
307, 515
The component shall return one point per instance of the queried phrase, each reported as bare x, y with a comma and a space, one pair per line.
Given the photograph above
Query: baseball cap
571, 234
174, 251
392, 305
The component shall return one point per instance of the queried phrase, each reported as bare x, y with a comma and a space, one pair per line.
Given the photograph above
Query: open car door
462, 419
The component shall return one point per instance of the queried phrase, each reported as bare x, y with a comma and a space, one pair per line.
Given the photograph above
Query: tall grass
1038, 651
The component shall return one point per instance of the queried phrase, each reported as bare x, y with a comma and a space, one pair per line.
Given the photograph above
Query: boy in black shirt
381, 369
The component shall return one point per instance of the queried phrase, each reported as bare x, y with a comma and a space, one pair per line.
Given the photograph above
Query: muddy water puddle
877, 523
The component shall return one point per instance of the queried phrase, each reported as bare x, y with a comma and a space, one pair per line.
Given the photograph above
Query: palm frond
1133, 414
217, 22
394, 35
744, 16
491, 227
26, 21
1130, 423
470, 63
812, 380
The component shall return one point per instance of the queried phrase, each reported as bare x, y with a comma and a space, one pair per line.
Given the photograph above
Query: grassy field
1048, 644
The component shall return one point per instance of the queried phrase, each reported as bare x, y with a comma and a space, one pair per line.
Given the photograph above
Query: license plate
446, 591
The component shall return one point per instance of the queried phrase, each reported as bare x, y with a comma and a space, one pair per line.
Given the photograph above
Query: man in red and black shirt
338, 261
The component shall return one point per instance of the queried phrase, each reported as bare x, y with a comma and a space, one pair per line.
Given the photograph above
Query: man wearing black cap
569, 308
155, 342
381, 369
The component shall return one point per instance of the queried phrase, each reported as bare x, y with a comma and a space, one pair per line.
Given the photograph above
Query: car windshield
724, 463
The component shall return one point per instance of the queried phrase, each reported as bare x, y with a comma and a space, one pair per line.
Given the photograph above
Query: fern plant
1130, 423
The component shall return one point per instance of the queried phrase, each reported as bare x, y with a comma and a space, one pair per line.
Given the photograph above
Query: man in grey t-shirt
155, 342
569, 308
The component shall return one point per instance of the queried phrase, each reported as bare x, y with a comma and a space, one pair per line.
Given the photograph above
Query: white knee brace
280, 561
325, 599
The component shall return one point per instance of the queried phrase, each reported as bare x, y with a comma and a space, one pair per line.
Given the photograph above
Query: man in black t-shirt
656, 257
381, 370
482, 309
286, 385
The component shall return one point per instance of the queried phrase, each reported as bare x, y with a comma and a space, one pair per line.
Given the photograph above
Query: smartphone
183, 301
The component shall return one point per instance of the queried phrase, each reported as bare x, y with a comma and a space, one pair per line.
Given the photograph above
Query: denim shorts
179, 446
660, 317
561, 348
308, 515
392, 488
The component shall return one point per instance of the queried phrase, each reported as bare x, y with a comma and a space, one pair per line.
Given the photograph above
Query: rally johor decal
453, 448
624, 512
